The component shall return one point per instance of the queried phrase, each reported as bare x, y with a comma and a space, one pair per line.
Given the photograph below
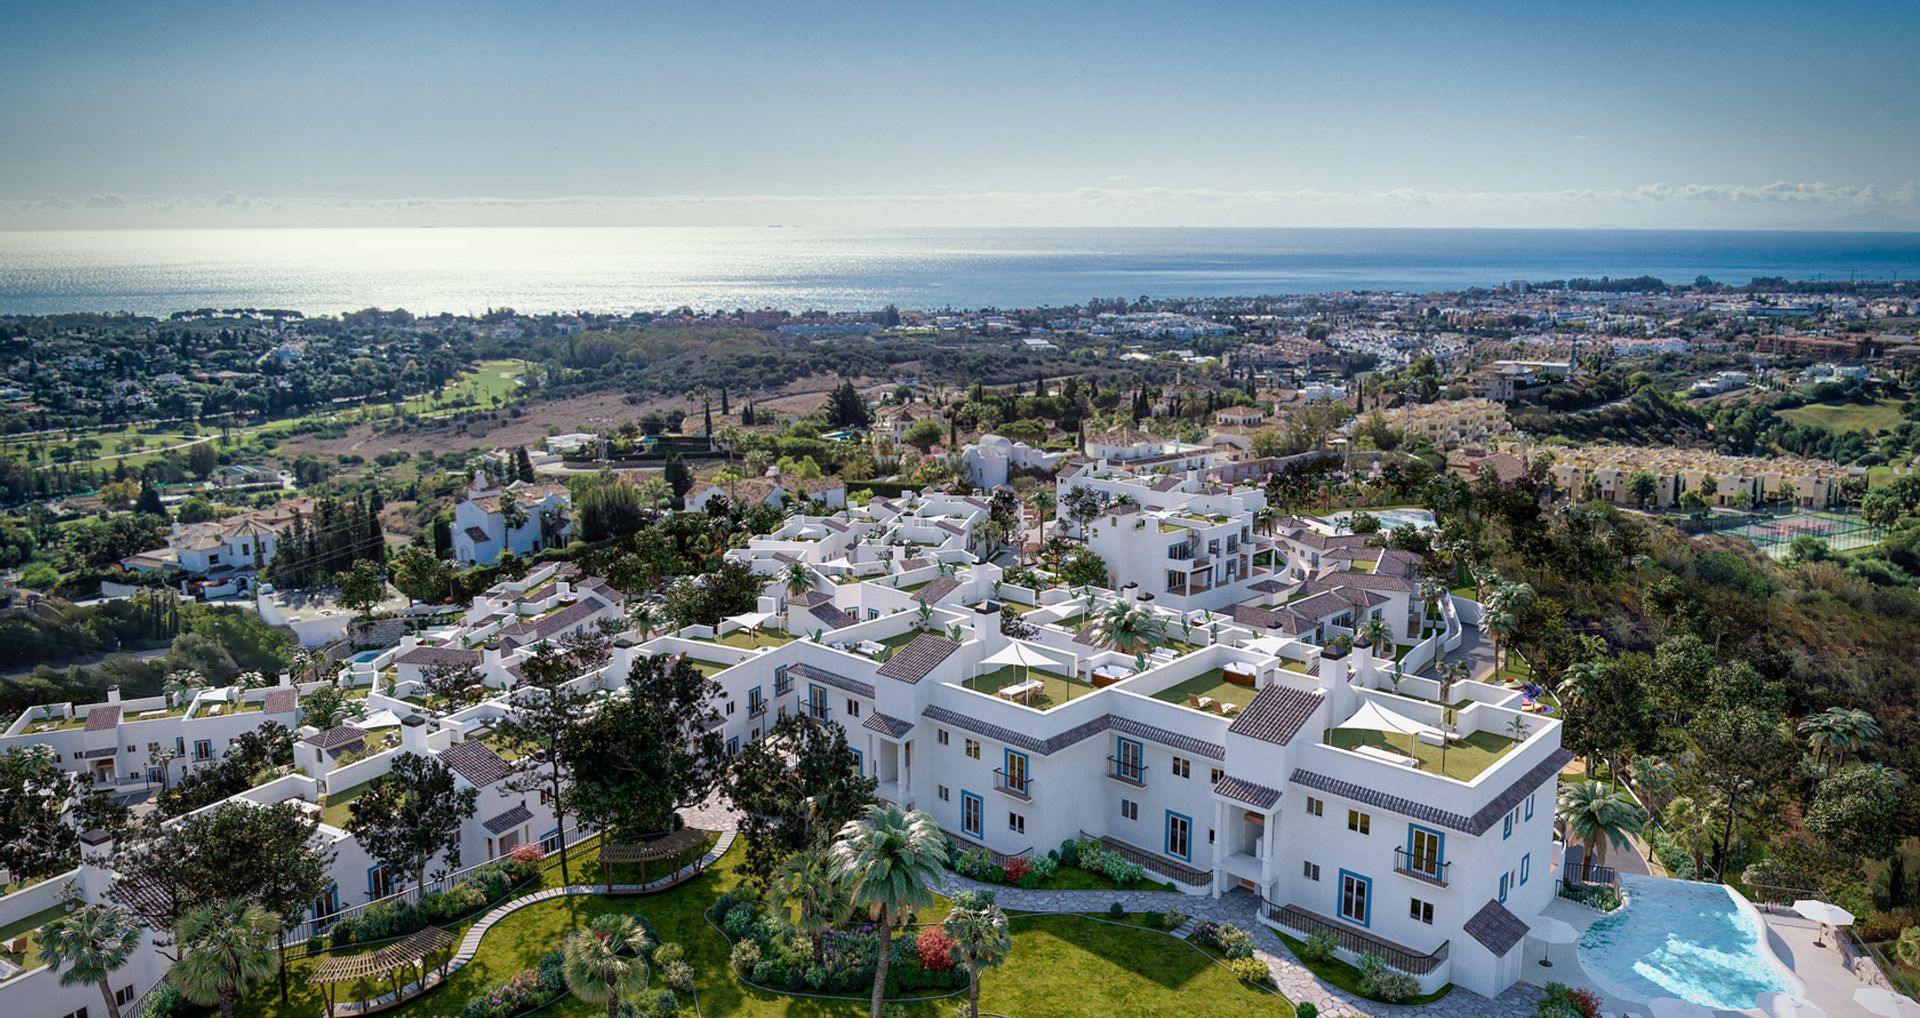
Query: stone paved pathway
1241, 909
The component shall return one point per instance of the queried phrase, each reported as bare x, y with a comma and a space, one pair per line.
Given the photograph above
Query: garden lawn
1060, 966
1465, 759
1881, 415
1345, 977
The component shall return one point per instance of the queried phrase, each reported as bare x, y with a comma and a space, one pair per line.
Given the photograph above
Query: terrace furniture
1228, 710
1239, 673
17, 946
1388, 756
1022, 689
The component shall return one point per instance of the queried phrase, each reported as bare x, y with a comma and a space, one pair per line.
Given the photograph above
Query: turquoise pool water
1679, 938
1419, 519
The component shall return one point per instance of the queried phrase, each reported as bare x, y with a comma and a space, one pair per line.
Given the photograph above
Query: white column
1219, 828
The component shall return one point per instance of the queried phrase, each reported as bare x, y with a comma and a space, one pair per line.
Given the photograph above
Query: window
1129, 761
1358, 821
853, 708
1526, 868
1014, 772
1182, 767
943, 794
756, 702
1530, 807
859, 763
1356, 893
1179, 835
973, 749
733, 746
940, 735
203, 749
1315, 807
1421, 911
1016, 823
1216, 775
179, 745
1506, 827
782, 682
817, 708
153, 747
1426, 849
1129, 810
729, 708
969, 814
1505, 879
82, 1013
1311, 871
379, 882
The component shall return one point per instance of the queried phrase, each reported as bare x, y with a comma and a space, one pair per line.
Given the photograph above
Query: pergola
409, 954
666, 847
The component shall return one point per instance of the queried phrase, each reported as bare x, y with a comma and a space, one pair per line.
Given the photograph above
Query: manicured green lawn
1881, 415
336, 812
1464, 759
1059, 689
1211, 683
1060, 966
1345, 977
30, 927
745, 640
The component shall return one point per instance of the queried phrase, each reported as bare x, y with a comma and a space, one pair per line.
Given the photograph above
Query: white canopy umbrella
750, 621
1551, 931
1781, 1005
1882, 1001
1373, 717
1674, 1007
1825, 913
1269, 645
1017, 653
379, 719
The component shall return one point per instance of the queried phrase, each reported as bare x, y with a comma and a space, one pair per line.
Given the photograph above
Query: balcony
757, 710
1419, 868
783, 688
1019, 786
1131, 772
819, 712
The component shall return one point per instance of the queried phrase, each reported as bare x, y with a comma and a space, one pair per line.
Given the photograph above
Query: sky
1704, 114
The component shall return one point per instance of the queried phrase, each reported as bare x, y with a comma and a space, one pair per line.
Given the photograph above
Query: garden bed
1347, 978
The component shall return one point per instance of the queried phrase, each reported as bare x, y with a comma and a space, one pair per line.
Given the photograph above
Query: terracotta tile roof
937, 589
916, 660
475, 762
1276, 714
1495, 928
280, 700
887, 725
834, 679
1362, 581
1251, 793
103, 718
339, 735
1477, 824
427, 657
509, 820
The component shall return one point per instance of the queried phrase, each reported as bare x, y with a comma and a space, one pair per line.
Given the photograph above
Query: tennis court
1840, 531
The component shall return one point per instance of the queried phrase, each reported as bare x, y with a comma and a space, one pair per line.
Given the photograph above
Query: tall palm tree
1837, 731
1578, 681
1128, 628
981, 940
886, 860
1043, 503
1503, 626
225, 951
807, 881
607, 961
1689, 822
91, 943
798, 577
1377, 633
1597, 815
646, 617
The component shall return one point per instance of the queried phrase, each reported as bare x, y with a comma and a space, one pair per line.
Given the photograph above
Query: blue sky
1269, 114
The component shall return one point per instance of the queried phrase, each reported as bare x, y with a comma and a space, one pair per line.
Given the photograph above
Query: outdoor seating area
1210, 691
1029, 687
1463, 759
408, 957
667, 848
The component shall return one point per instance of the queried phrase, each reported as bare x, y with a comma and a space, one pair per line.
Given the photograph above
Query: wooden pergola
408, 955
665, 847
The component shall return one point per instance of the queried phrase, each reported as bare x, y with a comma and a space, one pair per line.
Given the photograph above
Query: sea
536, 270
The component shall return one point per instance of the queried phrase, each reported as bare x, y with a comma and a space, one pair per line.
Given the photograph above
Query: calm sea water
568, 269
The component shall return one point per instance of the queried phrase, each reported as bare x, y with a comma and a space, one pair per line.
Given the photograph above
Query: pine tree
523, 464
724, 410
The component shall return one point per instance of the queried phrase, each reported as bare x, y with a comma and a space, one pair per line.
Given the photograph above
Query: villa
480, 531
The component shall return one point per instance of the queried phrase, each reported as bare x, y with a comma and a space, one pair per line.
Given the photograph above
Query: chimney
413, 734
96, 865
986, 626
1333, 682
113, 694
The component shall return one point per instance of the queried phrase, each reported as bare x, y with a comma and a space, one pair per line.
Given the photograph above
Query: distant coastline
467, 270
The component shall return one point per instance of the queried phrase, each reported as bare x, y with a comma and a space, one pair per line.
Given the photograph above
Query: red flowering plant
936, 949
1018, 867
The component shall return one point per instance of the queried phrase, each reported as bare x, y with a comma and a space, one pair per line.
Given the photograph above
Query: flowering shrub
528, 853
526, 990
1250, 970
1230, 940
1562, 1001
1017, 868
936, 949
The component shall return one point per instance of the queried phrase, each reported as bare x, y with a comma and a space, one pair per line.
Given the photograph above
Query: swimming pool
1680, 938
365, 656
1419, 519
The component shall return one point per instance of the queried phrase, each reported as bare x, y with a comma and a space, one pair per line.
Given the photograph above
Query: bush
161, 1003
1306, 1009
528, 853
1878, 926
1562, 1001
936, 949
739, 921
1250, 970
746, 957
1017, 868
1069, 852
1176, 919
1046, 866
1231, 941
526, 990
1116, 911
316, 944
1382, 983
1154, 919
452, 903
667, 954
666, 1004
1319, 947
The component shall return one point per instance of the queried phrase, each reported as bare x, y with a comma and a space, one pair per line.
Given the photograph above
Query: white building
989, 462
480, 531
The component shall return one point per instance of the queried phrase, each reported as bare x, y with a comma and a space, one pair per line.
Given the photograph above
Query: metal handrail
1121, 768
1003, 782
1856, 944
819, 711
1394, 955
1407, 864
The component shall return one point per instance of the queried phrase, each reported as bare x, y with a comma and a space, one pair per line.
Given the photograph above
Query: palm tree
1377, 633
799, 578
1690, 824
807, 881
607, 961
91, 943
1577, 682
886, 860
1596, 816
225, 950
646, 617
1503, 626
1837, 731
981, 940
1043, 503
1128, 628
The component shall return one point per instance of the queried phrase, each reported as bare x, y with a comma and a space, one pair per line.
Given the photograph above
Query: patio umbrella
1881, 1001
750, 621
1550, 931
1268, 645
1825, 913
1674, 1007
1017, 653
1781, 1005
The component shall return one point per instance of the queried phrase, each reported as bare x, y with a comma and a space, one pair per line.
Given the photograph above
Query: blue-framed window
1129, 759
782, 682
550, 841
1355, 904
379, 882
733, 746
817, 701
859, 762
1530, 806
1015, 771
970, 811
1526, 868
156, 776
1506, 826
1426, 850
756, 702
1505, 879
203, 749
1179, 835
